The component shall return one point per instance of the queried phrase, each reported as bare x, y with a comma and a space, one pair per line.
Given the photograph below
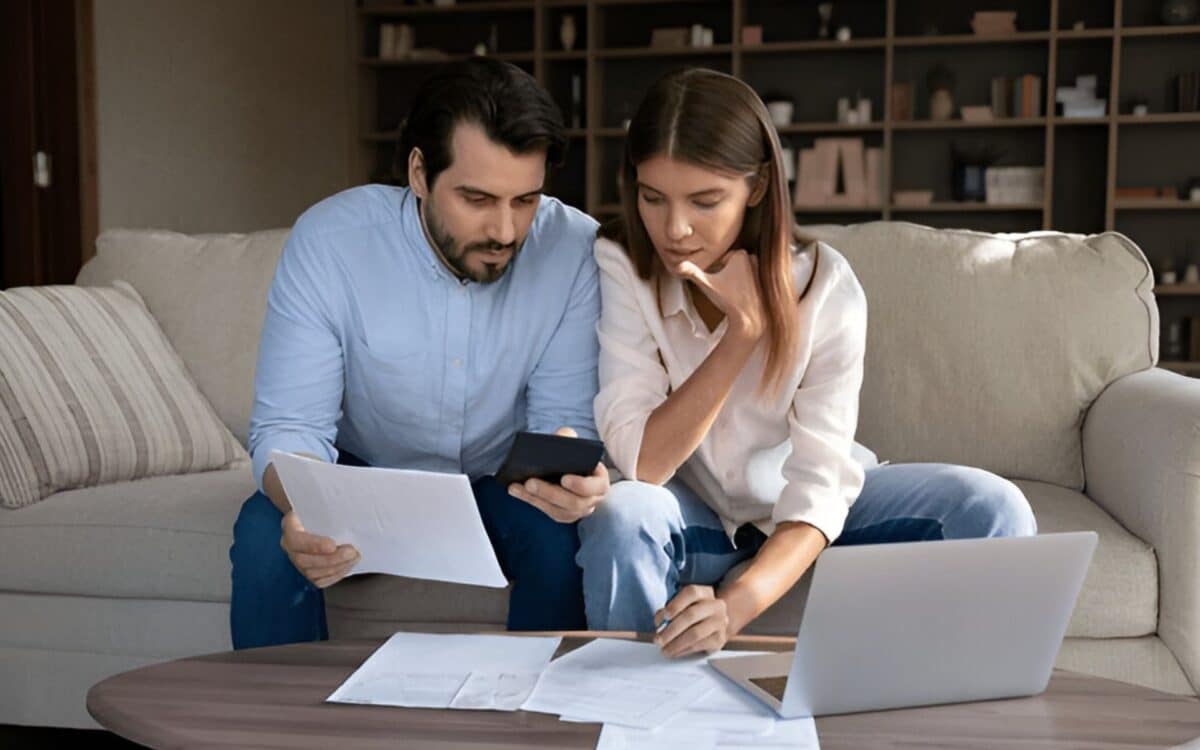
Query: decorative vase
825, 15
567, 31
941, 105
1180, 12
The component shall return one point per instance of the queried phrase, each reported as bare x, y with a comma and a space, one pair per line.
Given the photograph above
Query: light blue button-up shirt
371, 344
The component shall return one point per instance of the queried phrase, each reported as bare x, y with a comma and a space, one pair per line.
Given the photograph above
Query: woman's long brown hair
716, 121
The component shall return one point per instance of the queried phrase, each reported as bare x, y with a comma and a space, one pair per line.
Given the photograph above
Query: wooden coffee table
274, 698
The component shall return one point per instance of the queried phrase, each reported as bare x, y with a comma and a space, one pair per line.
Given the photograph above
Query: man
421, 328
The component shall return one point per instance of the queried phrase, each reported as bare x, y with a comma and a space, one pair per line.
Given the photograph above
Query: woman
730, 368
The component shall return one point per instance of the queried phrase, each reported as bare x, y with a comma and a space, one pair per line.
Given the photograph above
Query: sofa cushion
157, 538
91, 392
209, 293
1120, 594
985, 349
1119, 597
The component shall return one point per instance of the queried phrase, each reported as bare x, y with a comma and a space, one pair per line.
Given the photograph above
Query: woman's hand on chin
733, 287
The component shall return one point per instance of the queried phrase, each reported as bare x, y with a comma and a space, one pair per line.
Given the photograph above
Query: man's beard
456, 257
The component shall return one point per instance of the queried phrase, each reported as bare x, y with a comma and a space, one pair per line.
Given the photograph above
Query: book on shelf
1007, 185
838, 172
1187, 92
1000, 97
852, 170
1031, 95
1017, 97
874, 177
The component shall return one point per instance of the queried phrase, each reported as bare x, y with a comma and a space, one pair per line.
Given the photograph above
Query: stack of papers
622, 682
428, 670
646, 700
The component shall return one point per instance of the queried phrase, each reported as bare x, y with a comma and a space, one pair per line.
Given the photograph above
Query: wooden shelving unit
1085, 159
1177, 290
1185, 367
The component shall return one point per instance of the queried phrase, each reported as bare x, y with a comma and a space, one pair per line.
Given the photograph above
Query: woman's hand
699, 622
734, 289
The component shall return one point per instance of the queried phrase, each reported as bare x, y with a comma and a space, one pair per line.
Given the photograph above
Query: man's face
481, 207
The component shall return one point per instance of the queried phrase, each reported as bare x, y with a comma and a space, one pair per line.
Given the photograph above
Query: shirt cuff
288, 442
828, 513
623, 444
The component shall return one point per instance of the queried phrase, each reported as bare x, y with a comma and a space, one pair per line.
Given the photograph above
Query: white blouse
790, 456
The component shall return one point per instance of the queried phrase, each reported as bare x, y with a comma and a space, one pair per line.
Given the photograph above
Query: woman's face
690, 212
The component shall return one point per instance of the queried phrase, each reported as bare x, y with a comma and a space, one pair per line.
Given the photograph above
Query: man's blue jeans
645, 542
273, 604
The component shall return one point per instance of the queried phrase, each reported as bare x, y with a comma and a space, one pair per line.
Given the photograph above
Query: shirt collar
673, 300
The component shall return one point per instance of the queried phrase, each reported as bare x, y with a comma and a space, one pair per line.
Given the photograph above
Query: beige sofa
1028, 355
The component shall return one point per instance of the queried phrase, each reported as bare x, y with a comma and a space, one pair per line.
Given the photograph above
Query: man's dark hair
501, 98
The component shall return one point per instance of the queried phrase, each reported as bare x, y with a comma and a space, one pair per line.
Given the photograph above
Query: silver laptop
921, 623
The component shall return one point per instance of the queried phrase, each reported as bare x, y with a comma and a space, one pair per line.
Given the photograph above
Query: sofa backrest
209, 293
982, 349
987, 349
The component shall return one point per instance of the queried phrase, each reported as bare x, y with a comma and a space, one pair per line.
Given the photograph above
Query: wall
220, 115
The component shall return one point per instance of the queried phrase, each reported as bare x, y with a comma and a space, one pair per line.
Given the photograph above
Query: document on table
418, 524
724, 718
435, 670
621, 682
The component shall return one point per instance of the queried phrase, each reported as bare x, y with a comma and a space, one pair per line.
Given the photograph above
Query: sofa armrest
1141, 457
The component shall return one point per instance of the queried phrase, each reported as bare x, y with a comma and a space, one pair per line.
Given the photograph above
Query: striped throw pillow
91, 392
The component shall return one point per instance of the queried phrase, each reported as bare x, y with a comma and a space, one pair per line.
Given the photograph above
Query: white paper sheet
437, 670
795, 734
417, 524
726, 717
620, 682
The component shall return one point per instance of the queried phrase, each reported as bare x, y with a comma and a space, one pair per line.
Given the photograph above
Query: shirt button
457, 363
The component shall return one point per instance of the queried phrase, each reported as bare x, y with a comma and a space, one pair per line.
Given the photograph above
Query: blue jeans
273, 604
645, 542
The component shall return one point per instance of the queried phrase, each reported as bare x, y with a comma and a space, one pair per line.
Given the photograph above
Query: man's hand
318, 558
573, 499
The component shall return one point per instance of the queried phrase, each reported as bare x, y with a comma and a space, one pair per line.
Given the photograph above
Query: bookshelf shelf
954, 40
1177, 290
561, 55
1160, 118
611, 53
1068, 34
1004, 122
965, 207
1160, 204
1085, 159
829, 127
801, 210
1181, 367
819, 45
1079, 122
1136, 31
